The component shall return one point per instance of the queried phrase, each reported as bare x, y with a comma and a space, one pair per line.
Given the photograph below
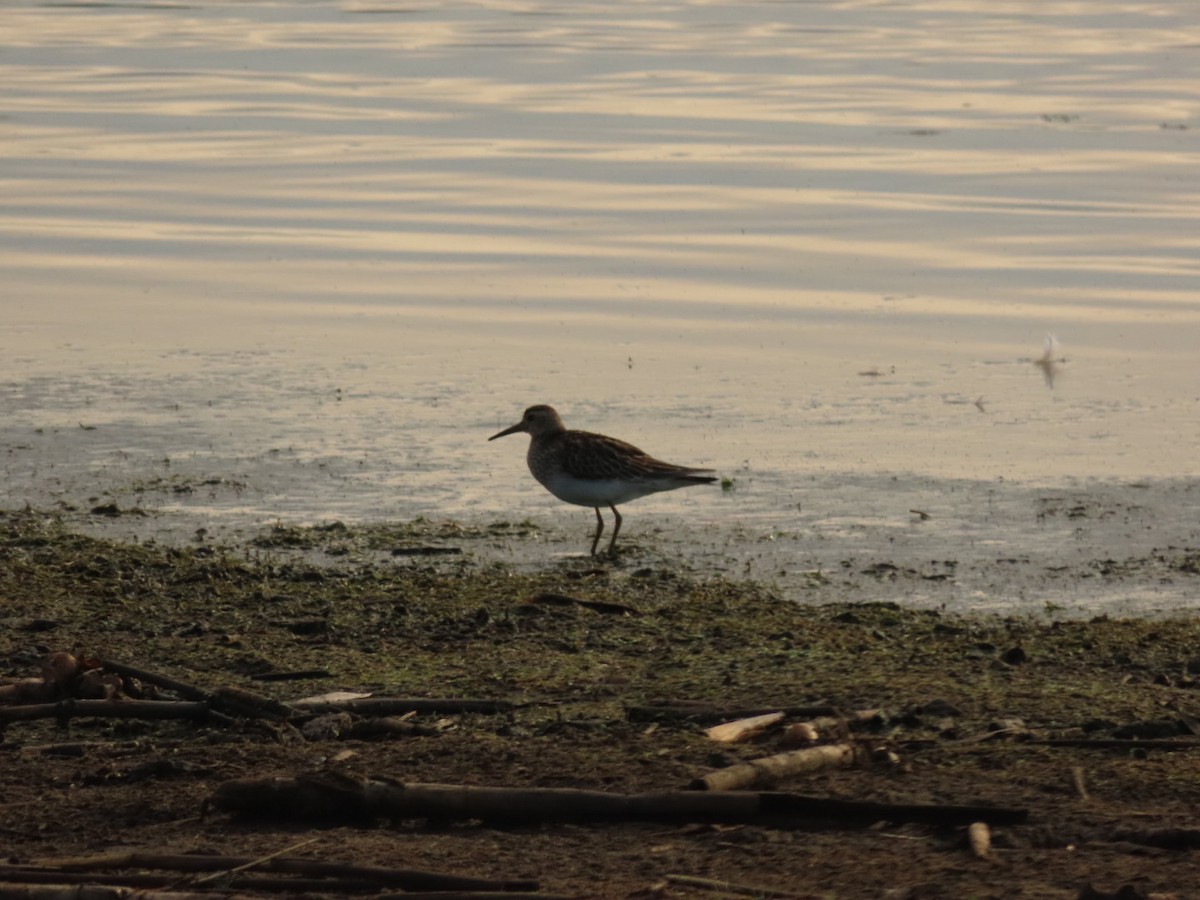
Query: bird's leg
599, 530
612, 544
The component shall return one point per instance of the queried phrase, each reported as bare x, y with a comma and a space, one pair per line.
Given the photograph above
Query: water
314, 253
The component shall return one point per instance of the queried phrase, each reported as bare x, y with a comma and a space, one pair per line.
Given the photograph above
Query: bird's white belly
594, 492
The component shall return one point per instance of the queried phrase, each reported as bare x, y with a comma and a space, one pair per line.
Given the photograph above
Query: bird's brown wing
597, 456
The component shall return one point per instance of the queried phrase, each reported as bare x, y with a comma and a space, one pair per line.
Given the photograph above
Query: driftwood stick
395, 706
700, 712
979, 839
337, 796
728, 887
1079, 779
264, 884
408, 879
248, 705
104, 892
115, 709
254, 863
1167, 838
1120, 743
769, 769
182, 688
742, 729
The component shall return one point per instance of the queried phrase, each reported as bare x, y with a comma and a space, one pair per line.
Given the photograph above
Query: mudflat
1085, 725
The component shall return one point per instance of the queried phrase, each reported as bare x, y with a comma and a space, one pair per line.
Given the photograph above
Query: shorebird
593, 469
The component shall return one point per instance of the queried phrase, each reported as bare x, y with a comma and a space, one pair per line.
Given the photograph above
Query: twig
769, 769
116, 709
713, 884
393, 706
1079, 780
225, 873
182, 688
667, 710
407, 879
1120, 743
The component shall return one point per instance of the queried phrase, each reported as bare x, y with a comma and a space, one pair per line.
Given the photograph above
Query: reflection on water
361, 236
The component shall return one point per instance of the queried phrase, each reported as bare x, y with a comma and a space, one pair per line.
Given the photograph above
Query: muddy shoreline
970, 708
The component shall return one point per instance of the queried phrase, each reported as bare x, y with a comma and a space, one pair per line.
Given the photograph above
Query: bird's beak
520, 426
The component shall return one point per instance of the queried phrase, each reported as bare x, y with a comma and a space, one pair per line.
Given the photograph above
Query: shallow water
315, 253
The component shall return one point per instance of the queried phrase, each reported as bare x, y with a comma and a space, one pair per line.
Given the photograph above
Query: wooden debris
28, 690
393, 706
728, 887
1167, 838
743, 729
183, 689
116, 709
769, 769
801, 734
1124, 744
979, 838
804, 734
407, 879
104, 892
668, 710
1079, 779
253, 863
334, 796
249, 705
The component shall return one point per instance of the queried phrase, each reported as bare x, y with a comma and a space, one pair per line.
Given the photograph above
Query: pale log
769, 769
743, 729
979, 838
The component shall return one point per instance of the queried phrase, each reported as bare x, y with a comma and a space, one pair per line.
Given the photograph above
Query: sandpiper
593, 469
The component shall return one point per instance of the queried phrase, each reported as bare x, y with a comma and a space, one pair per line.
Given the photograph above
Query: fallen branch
338, 796
103, 892
742, 729
407, 879
728, 887
769, 769
182, 688
115, 709
1120, 743
702, 712
394, 706
1166, 838
252, 864
248, 705
141, 881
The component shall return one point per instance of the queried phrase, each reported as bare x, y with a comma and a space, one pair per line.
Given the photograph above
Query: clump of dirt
1012, 712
